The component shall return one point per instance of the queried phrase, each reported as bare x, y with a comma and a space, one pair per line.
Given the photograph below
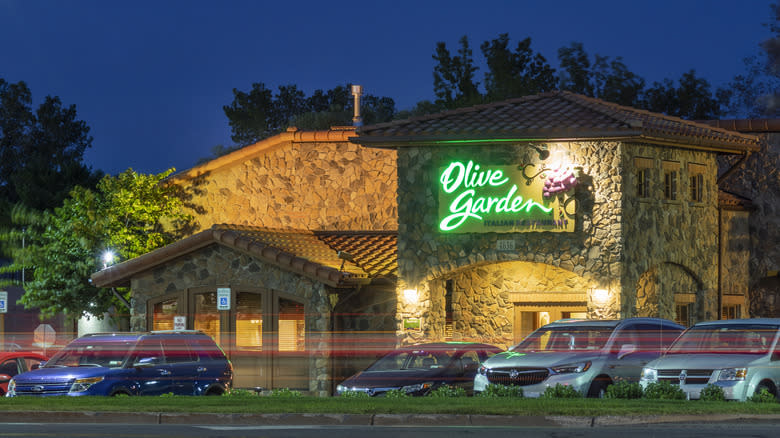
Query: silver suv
587, 355
741, 356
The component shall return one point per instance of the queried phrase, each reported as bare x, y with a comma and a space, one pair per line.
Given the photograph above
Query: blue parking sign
223, 298
3, 302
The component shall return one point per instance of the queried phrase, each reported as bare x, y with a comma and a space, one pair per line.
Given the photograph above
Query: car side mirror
625, 350
4, 378
35, 366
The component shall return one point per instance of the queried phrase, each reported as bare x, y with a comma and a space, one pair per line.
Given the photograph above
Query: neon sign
475, 198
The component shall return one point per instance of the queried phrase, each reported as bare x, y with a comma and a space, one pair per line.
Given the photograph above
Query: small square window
670, 185
697, 189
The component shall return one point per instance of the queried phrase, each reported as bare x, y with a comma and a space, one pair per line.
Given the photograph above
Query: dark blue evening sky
150, 77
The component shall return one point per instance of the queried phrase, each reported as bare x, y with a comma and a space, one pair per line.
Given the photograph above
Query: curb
368, 419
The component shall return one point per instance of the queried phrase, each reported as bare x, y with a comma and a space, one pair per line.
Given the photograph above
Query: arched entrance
502, 302
668, 291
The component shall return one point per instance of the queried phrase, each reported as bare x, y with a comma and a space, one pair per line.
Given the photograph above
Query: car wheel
765, 385
599, 387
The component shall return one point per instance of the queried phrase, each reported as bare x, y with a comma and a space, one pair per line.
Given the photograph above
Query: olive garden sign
476, 198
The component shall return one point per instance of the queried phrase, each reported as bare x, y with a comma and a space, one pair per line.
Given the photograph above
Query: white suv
587, 355
739, 355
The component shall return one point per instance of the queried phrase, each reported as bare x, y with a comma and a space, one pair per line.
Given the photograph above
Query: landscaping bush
355, 394
624, 390
763, 396
448, 391
712, 393
396, 393
561, 391
238, 392
284, 392
493, 390
664, 391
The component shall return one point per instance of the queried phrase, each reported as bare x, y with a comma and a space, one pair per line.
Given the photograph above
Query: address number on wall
505, 245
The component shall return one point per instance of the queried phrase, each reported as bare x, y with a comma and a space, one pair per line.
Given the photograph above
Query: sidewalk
366, 419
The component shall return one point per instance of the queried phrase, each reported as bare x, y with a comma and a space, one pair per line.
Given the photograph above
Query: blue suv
153, 363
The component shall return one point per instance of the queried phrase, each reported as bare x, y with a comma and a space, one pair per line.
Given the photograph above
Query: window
696, 186
249, 321
163, 314
292, 326
671, 179
732, 312
683, 314
643, 167
448, 318
206, 317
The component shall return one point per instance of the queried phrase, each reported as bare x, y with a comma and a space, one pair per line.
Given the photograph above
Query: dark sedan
419, 369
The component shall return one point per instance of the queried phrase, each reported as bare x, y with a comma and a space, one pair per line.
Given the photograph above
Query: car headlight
418, 387
649, 374
340, 389
81, 385
579, 367
733, 374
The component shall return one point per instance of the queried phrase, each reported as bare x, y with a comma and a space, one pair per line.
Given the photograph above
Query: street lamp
108, 258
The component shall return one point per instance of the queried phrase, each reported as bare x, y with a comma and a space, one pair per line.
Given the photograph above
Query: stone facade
216, 266
313, 185
758, 179
631, 248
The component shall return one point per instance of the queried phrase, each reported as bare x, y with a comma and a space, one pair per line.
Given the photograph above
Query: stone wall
215, 266
621, 244
312, 186
758, 179
592, 253
670, 246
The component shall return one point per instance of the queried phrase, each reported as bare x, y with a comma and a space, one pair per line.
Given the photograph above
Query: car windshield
721, 339
92, 354
413, 359
565, 338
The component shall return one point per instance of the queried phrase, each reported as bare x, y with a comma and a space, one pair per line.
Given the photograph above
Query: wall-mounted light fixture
410, 296
600, 296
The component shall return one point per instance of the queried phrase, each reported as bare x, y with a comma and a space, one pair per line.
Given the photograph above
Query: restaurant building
318, 250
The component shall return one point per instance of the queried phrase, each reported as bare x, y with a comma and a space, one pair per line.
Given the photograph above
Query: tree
453, 77
575, 72
757, 92
259, 114
130, 214
515, 74
692, 99
41, 152
614, 82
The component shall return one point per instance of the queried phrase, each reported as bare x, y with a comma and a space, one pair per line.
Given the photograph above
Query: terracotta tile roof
755, 126
732, 201
557, 115
314, 254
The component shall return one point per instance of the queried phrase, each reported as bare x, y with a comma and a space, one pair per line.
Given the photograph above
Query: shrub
284, 392
493, 390
624, 390
396, 393
448, 391
712, 393
238, 392
167, 394
355, 394
664, 391
560, 391
763, 396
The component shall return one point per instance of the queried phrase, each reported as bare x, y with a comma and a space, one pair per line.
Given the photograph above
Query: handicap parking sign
3, 302
223, 298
